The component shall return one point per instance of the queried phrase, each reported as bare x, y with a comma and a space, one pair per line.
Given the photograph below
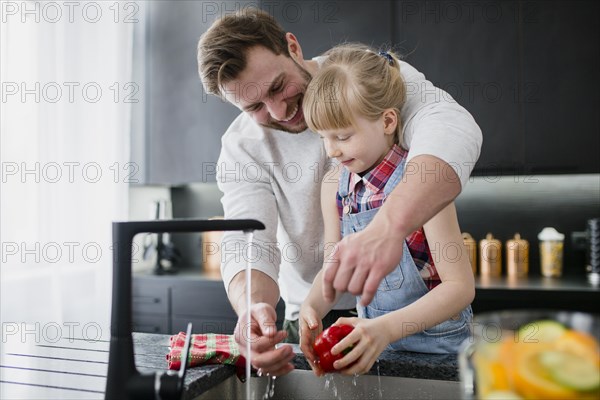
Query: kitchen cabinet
526, 70
150, 307
165, 304
204, 303
561, 71
320, 25
473, 55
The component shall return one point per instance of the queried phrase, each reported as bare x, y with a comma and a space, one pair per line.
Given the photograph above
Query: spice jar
551, 252
490, 259
471, 246
517, 257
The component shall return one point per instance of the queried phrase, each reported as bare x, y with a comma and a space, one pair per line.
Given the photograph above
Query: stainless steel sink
305, 385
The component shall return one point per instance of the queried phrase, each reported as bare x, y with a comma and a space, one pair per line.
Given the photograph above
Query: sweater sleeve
435, 124
247, 193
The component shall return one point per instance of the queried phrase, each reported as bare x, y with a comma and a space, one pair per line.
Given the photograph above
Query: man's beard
302, 126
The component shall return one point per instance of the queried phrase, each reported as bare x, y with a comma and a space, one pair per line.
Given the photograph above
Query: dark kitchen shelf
567, 293
570, 283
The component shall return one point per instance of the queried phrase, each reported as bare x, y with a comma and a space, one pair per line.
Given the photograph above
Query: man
271, 167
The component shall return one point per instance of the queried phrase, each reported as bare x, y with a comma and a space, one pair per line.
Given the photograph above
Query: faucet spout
123, 380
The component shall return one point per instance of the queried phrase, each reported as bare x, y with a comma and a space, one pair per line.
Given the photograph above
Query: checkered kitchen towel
207, 348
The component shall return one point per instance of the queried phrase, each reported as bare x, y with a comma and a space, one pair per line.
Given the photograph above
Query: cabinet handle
147, 328
146, 300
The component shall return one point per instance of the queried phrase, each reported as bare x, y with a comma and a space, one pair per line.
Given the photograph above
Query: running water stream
331, 386
249, 237
270, 391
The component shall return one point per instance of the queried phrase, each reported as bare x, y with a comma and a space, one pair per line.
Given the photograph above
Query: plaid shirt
367, 193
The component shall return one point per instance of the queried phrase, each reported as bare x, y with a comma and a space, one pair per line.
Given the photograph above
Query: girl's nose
332, 150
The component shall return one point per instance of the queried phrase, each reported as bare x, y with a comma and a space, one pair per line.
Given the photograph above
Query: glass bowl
503, 356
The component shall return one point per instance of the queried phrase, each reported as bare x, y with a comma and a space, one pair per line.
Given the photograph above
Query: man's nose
277, 108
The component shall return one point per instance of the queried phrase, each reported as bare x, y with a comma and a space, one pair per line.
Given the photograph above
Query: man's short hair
223, 47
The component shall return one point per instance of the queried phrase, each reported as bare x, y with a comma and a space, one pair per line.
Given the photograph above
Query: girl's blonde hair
354, 79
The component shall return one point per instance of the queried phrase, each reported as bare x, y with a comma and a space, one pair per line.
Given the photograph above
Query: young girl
354, 102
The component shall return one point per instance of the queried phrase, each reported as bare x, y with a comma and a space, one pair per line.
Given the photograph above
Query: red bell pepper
326, 340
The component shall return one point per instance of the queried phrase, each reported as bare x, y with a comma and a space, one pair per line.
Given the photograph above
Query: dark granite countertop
150, 354
68, 368
442, 367
150, 351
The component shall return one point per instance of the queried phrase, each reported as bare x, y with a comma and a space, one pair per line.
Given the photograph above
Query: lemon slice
501, 395
541, 331
570, 370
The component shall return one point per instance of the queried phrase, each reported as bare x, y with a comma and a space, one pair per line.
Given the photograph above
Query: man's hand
263, 336
359, 263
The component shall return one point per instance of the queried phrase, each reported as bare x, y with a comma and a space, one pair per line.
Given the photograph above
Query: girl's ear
390, 121
294, 48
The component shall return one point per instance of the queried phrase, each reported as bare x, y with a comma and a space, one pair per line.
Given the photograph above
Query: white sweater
275, 177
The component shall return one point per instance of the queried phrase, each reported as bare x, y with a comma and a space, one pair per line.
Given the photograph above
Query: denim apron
403, 285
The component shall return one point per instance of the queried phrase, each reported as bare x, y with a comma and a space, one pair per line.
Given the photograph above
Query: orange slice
532, 380
580, 344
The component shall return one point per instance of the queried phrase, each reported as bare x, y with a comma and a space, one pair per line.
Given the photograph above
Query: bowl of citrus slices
532, 355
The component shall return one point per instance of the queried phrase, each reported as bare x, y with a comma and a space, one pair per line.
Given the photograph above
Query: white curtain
67, 93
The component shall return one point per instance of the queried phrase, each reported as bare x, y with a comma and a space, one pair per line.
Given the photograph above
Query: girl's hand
368, 340
309, 325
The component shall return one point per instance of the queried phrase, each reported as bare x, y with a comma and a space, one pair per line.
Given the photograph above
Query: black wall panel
528, 71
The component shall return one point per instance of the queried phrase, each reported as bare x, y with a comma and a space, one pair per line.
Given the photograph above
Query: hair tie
387, 56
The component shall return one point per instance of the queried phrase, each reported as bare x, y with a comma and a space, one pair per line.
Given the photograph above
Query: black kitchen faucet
124, 380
